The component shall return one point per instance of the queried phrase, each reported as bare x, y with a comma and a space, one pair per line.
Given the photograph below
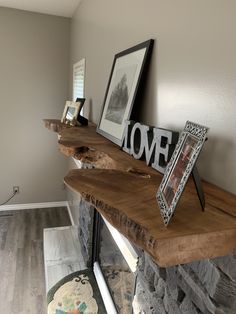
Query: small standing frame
82, 120
179, 168
70, 113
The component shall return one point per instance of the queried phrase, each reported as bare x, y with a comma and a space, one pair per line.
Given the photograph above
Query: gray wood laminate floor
22, 280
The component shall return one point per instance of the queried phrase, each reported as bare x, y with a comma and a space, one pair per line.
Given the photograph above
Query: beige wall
34, 69
193, 69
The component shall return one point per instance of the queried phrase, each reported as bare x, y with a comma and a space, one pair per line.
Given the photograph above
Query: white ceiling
55, 7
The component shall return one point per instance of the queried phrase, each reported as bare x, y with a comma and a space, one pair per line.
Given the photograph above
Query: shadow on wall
90, 110
147, 100
221, 151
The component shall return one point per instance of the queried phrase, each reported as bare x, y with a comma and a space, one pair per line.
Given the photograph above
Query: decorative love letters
156, 145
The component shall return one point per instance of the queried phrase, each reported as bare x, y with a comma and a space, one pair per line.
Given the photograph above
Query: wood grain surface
55, 125
128, 202
124, 191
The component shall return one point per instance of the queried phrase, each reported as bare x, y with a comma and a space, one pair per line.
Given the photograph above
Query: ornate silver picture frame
179, 168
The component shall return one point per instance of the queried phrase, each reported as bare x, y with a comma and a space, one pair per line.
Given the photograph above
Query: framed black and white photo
179, 168
71, 112
127, 70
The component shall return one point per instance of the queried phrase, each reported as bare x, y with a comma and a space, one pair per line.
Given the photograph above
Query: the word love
156, 145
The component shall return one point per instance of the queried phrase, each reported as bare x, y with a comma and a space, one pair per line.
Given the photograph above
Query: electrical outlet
16, 189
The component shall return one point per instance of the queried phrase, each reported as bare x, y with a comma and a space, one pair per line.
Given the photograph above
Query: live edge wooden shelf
124, 191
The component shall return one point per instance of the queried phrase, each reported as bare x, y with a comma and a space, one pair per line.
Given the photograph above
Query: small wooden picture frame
179, 168
71, 112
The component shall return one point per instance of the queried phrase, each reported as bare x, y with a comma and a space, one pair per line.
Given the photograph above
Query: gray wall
193, 69
34, 69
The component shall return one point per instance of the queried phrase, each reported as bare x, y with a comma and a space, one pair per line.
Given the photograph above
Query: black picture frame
179, 168
126, 75
81, 101
81, 120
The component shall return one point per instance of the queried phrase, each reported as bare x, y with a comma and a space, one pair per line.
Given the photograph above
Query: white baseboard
39, 205
33, 205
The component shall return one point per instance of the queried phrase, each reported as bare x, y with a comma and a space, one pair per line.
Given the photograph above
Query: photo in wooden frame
179, 168
71, 112
124, 82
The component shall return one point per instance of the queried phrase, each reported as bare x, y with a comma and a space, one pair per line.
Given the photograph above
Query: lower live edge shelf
124, 191
129, 204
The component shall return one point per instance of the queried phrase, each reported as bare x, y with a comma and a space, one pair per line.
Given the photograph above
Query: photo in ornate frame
127, 72
71, 112
179, 168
